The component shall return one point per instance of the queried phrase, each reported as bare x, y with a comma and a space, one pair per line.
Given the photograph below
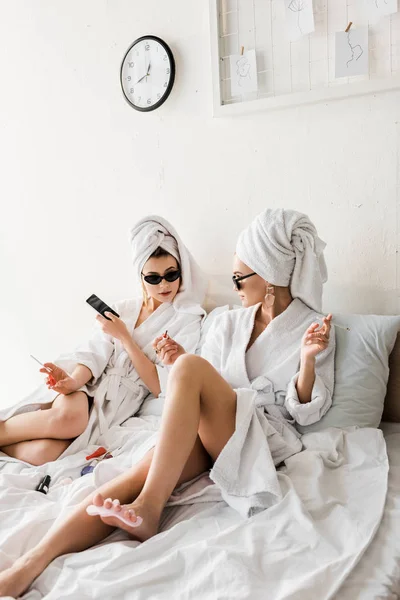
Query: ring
157, 351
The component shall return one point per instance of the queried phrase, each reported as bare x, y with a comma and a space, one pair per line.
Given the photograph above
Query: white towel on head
152, 232
283, 247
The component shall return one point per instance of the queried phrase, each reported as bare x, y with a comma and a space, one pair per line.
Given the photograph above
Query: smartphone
100, 306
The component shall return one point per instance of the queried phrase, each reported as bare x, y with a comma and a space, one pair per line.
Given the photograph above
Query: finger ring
157, 351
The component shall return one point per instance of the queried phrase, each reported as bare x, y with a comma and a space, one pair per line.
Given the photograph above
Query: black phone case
101, 306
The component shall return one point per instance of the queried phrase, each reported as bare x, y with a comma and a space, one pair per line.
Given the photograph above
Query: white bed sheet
303, 548
377, 576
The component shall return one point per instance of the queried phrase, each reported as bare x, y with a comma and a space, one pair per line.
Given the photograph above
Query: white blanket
305, 546
377, 575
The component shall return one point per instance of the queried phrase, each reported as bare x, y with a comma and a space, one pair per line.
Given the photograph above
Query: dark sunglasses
156, 279
237, 280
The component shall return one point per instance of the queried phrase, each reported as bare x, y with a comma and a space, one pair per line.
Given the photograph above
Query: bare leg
66, 419
199, 405
80, 531
37, 452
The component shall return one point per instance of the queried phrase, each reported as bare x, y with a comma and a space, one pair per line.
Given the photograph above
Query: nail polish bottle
44, 484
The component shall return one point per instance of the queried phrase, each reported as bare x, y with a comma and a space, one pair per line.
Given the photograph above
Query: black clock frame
171, 81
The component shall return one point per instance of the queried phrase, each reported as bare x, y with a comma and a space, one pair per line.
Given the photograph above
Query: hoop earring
269, 297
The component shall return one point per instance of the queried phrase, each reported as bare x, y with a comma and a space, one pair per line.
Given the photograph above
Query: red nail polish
99, 452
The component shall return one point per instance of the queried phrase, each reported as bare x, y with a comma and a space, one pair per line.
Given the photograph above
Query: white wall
79, 166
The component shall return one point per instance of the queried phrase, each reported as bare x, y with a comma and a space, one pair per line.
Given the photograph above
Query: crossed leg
43, 435
198, 420
37, 452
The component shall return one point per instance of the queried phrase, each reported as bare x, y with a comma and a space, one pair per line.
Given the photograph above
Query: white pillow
361, 371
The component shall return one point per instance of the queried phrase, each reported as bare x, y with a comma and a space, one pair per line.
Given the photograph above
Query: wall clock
147, 73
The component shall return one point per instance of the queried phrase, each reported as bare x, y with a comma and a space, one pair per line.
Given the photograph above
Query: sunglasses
237, 280
156, 279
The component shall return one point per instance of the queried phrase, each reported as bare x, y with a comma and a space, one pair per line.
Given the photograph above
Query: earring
269, 298
145, 296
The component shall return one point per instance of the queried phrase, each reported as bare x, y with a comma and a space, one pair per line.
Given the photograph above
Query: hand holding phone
114, 327
100, 306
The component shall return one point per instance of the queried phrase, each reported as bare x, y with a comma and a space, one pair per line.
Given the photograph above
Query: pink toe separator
101, 511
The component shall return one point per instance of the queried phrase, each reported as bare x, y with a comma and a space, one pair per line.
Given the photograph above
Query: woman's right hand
167, 349
59, 380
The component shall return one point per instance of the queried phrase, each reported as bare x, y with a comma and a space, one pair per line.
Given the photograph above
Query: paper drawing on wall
243, 73
351, 52
297, 6
299, 18
380, 8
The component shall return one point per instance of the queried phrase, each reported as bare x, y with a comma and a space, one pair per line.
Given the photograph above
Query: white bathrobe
116, 387
264, 378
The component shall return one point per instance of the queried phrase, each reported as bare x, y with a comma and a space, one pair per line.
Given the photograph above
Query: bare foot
131, 512
16, 580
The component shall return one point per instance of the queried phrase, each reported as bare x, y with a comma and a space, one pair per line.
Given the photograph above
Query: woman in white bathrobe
117, 369
263, 368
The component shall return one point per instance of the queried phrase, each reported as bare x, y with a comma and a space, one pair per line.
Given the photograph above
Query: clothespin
348, 26
241, 50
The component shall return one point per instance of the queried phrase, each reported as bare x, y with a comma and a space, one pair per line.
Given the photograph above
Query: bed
377, 575
335, 534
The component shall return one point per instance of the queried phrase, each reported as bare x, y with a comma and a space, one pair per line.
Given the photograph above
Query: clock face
147, 73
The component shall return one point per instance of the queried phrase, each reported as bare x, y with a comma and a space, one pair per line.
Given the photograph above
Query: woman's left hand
316, 339
115, 327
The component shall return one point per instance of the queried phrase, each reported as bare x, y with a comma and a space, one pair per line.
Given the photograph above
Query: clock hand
141, 79
144, 76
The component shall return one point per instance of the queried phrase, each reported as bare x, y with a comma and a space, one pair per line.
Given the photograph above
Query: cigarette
41, 364
340, 326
